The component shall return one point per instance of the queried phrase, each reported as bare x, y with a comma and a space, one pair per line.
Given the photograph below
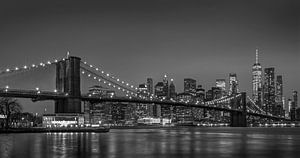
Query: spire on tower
68, 54
256, 56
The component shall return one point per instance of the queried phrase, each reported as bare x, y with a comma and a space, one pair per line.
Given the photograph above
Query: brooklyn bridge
68, 96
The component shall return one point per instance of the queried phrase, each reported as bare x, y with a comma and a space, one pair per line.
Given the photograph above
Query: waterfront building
257, 81
200, 98
153, 121
233, 84
142, 110
184, 114
98, 113
269, 90
63, 120
162, 92
166, 110
118, 112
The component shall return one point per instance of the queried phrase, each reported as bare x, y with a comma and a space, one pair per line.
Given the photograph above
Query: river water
135, 143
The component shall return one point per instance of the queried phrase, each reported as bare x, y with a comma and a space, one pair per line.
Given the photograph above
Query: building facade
269, 90
221, 83
233, 84
150, 85
190, 85
257, 81
279, 110
172, 90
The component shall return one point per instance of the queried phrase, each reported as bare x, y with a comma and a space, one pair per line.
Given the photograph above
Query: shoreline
53, 130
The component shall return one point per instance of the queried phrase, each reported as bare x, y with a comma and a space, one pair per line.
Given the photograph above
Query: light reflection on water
181, 142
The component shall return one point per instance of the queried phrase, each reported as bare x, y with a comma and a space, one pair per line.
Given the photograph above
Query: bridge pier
68, 81
239, 119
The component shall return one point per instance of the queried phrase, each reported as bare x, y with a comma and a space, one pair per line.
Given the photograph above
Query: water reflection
182, 142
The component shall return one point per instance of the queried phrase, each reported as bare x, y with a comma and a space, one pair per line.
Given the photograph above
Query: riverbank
52, 130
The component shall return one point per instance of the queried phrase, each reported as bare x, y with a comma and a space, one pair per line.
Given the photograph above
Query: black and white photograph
149, 78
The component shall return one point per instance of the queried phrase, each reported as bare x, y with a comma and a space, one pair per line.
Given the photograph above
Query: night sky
203, 39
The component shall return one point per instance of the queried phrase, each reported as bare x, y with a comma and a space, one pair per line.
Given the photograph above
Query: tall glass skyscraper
257, 81
269, 90
279, 95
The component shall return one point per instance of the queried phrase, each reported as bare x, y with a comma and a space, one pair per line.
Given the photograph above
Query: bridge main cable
109, 82
26, 68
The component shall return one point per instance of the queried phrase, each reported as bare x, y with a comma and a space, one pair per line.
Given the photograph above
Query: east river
167, 142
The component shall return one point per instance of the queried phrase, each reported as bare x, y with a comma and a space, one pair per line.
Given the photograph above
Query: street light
6, 88
38, 90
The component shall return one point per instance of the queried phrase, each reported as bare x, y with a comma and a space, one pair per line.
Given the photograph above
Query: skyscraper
233, 84
200, 93
166, 86
257, 81
269, 90
189, 85
279, 95
150, 85
172, 91
159, 89
221, 83
291, 110
295, 98
295, 105
143, 110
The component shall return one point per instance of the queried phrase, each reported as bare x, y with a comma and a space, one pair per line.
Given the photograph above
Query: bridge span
68, 96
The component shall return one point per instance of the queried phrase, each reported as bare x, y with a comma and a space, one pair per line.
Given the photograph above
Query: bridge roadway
36, 95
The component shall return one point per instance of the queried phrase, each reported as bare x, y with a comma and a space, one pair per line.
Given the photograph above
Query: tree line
8, 108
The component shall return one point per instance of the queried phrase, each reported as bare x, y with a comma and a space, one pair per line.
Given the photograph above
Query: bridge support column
68, 81
238, 119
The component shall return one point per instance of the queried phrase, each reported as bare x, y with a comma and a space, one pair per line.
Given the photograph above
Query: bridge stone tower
68, 81
239, 119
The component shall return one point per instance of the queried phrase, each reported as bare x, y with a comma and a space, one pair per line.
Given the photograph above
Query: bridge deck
46, 95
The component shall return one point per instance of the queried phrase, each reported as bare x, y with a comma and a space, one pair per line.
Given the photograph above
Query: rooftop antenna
256, 56
68, 54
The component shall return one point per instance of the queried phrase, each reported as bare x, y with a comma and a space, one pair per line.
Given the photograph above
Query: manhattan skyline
203, 40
